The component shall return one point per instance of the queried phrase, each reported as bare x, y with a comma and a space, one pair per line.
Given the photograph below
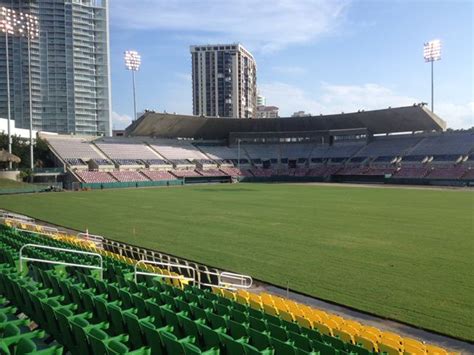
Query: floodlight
432, 53
132, 60
432, 50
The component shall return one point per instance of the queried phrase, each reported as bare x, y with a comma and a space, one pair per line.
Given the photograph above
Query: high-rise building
69, 64
261, 101
301, 114
224, 81
267, 111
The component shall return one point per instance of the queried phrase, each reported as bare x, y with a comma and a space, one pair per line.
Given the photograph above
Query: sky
319, 56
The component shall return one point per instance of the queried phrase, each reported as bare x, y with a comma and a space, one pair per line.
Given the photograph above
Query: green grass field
407, 254
11, 184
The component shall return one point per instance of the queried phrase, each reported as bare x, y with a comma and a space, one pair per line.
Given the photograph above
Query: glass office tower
70, 68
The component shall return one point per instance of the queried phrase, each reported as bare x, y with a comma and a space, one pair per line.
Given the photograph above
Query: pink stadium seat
128, 176
158, 175
185, 173
95, 177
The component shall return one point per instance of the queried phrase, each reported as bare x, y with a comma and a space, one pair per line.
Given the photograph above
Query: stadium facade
396, 145
70, 68
224, 81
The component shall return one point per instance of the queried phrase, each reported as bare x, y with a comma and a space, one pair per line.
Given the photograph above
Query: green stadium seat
209, 336
27, 346
238, 330
277, 332
282, 347
238, 316
217, 321
300, 341
257, 324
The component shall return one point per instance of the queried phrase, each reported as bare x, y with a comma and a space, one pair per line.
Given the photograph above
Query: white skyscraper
70, 68
224, 81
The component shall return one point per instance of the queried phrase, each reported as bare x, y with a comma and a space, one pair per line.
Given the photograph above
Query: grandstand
371, 146
96, 307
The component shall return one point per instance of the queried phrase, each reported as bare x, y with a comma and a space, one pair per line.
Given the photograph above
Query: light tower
432, 53
29, 28
7, 25
132, 62
25, 25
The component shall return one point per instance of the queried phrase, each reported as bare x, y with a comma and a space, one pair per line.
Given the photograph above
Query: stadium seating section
431, 156
54, 309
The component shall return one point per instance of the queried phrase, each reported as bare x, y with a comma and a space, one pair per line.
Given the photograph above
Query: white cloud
265, 25
350, 98
120, 121
456, 115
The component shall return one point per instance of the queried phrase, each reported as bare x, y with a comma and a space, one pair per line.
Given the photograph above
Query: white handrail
90, 236
34, 225
246, 281
100, 268
181, 277
14, 216
98, 240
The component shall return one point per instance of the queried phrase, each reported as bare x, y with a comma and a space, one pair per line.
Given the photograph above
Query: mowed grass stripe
401, 253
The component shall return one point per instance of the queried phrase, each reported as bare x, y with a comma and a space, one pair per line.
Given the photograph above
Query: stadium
338, 234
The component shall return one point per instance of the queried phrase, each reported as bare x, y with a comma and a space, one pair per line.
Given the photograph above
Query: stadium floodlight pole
7, 25
432, 53
132, 62
29, 28
238, 153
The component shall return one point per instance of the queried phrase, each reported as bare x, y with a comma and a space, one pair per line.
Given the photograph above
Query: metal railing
168, 265
98, 240
55, 262
15, 216
45, 229
226, 280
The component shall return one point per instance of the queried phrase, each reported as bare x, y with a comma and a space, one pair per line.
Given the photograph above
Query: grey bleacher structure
324, 155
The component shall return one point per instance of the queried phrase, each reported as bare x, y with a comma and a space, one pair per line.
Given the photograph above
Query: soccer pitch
406, 254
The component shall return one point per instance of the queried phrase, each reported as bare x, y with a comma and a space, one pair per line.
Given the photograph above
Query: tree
21, 148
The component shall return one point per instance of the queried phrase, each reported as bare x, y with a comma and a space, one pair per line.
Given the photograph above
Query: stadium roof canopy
392, 120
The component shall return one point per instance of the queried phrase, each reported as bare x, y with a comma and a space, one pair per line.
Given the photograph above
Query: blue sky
313, 55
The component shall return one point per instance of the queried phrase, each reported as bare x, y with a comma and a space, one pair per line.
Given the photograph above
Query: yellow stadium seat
305, 309
270, 309
323, 315
338, 319
367, 340
323, 328
264, 297
176, 282
255, 304
354, 324
288, 316
255, 297
296, 311
346, 333
304, 322
167, 279
315, 318
228, 294
242, 300
217, 291
373, 330
243, 293
390, 347
412, 346
331, 323
392, 336
434, 350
